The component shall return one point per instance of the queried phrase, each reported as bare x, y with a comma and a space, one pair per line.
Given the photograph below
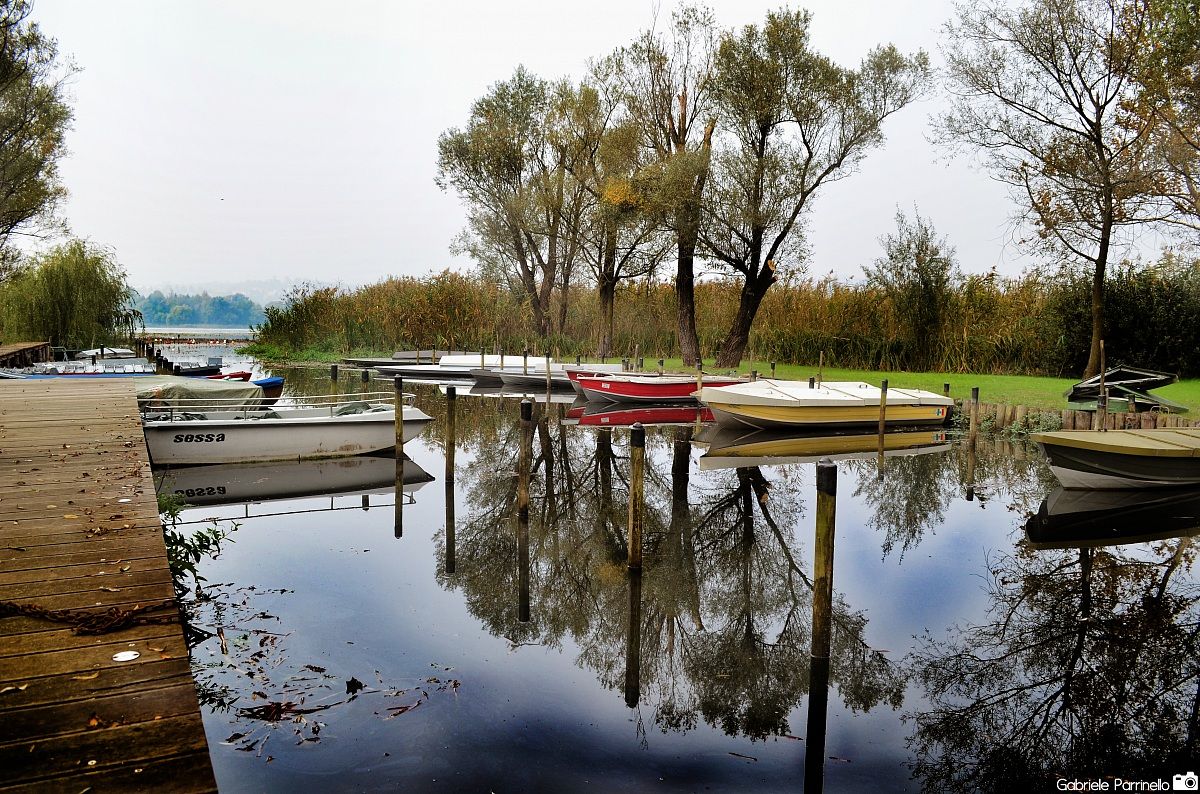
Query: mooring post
523, 462
974, 426
812, 382
451, 440
945, 389
525, 362
772, 370
699, 377
549, 383
633, 645
883, 389
366, 376
637, 493
578, 359
822, 625
660, 366
398, 384
333, 381
1102, 398
753, 375
821, 368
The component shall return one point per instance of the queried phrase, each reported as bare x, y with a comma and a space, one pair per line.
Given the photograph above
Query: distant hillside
202, 309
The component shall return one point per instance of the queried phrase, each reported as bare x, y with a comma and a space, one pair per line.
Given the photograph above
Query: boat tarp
160, 391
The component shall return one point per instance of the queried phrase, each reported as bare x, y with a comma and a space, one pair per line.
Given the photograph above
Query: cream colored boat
767, 404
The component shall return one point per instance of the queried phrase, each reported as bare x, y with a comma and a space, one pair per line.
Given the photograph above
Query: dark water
365, 649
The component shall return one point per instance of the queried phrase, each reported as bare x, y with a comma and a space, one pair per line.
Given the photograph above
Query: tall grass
1035, 324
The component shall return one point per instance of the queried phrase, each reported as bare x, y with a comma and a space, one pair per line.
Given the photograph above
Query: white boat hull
244, 440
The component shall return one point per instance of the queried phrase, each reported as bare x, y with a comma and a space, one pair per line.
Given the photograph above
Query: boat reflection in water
616, 414
1081, 519
730, 448
235, 483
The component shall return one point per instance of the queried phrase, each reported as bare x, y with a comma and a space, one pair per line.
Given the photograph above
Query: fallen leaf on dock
20, 688
86, 677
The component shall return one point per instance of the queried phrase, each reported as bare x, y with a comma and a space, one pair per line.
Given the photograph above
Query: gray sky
221, 141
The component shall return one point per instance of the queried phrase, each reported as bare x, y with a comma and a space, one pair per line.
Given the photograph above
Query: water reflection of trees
1086, 666
910, 494
725, 606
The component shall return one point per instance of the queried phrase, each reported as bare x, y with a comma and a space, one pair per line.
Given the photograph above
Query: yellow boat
767, 404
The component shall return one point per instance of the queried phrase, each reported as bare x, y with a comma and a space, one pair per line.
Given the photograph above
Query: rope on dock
92, 622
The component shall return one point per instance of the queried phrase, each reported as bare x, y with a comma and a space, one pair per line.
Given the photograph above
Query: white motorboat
767, 404
194, 432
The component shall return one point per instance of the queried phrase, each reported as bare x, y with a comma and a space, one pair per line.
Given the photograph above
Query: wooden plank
79, 529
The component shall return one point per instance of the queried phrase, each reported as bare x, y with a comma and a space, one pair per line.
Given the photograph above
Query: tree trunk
730, 354
608, 296
685, 295
1093, 365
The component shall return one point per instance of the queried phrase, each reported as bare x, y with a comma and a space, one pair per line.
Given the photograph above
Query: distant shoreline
211, 331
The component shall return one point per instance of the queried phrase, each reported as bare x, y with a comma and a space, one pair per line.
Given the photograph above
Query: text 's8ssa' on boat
768, 404
1157, 458
201, 431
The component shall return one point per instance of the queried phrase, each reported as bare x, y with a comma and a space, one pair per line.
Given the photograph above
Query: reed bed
1036, 324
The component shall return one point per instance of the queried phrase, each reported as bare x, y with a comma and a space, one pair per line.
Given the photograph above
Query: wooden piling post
451, 439
772, 370
945, 389
699, 377
660, 366
525, 362
333, 382
523, 463
883, 389
821, 368
633, 641
637, 494
822, 625
974, 431
398, 385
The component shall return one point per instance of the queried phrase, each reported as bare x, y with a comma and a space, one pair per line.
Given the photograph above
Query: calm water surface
354, 646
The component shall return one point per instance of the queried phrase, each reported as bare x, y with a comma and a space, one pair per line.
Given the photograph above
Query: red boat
648, 388
242, 375
624, 415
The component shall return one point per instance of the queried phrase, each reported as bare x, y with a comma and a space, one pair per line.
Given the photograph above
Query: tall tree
621, 231
512, 173
1042, 91
794, 121
34, 117
1168, 73
664, 82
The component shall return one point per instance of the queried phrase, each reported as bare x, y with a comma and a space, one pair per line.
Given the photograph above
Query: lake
343, 643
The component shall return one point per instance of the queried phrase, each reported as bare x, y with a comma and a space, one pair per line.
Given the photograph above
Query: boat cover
162, 391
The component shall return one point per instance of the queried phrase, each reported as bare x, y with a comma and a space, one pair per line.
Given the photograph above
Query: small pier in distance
22, 354
80, 531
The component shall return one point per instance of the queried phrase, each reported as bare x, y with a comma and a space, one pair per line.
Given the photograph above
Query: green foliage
202, 309
75, 295
34, 117
917, 273
186, 547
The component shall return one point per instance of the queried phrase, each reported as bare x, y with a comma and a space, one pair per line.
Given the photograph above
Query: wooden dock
79, 530
22, 354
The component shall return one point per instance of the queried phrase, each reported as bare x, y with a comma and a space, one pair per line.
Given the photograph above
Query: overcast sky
221, 141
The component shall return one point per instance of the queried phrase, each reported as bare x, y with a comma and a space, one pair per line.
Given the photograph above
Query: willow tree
1043, 93
793, 120
34, 117
621, 231
664, 81
75, 296
513, 174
